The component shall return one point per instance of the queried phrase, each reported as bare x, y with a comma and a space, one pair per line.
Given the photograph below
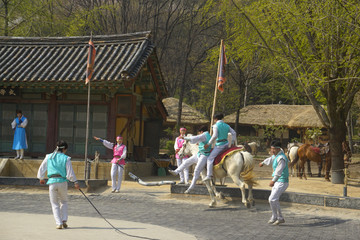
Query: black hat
276, 144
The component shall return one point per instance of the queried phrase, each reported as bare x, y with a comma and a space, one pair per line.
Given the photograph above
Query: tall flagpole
86, 172
215, 92
87, 133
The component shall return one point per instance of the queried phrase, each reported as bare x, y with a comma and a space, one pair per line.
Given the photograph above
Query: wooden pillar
111, 129
52, 125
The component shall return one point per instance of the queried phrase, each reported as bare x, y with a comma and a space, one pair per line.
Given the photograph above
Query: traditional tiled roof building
45, 78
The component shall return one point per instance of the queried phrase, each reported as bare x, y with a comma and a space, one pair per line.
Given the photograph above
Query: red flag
222, 62
90, 61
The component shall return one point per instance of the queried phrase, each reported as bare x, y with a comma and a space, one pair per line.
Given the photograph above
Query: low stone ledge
294, 197
90, 185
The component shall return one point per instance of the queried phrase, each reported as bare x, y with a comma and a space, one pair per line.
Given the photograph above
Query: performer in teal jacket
279, 182
59, 171
220, 136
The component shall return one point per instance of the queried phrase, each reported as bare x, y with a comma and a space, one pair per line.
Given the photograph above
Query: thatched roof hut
290, 116
189, 115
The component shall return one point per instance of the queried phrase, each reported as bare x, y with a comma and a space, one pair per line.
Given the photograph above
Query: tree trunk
337, 135
237, 121
350, 131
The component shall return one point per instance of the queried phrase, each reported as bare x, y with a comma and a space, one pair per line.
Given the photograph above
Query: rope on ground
116, 229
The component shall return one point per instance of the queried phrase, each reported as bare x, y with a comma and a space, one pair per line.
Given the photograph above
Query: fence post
345, 180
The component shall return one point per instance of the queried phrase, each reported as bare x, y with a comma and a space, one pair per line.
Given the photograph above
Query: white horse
239, 166
292, 149
254, 147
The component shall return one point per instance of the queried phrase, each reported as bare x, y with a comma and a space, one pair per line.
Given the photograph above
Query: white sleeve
70, 175
233, 134
196, 139
123, 155
13, 124
175, 144
268, 161
24, 123
279, 169
108, 144
214, 135
42, 169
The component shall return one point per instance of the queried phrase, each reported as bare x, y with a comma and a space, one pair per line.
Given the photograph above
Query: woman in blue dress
20, 142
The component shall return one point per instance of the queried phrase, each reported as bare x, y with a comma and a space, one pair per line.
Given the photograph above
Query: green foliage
313, 134
170, 147
295, 139
271, 129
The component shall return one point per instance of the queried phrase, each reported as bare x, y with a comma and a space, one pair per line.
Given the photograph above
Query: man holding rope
59, 170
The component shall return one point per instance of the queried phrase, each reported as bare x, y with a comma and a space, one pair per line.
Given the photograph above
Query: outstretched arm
196, 139
107, 144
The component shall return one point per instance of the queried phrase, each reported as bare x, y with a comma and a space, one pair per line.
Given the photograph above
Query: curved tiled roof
64, 59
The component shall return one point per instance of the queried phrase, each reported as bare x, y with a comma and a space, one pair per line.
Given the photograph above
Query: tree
311, 43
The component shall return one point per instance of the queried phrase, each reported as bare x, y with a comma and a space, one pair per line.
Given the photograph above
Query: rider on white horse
220, 134
200, 158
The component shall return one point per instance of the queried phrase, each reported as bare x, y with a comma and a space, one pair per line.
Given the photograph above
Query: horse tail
248, 174
249, 178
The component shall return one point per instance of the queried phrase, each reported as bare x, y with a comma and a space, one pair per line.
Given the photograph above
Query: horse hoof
212, 205
327, 179
221, 196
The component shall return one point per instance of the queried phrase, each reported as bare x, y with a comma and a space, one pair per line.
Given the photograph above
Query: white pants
212, 156
187, 163
184, 174
198, 169
58, 200
116, 170
276, 191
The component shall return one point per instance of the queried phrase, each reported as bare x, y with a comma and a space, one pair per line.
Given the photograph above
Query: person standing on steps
20, 143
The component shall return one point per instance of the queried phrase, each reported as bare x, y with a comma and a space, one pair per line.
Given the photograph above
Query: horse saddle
315, 149
219, 160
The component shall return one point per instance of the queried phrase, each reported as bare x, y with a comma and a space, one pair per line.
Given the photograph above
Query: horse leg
309, 168
209, 188
320, 166
328, 167
302, 170
241, 185
250, 197
217, 194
